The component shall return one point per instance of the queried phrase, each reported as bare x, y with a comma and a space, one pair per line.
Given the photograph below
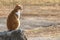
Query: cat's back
12, 21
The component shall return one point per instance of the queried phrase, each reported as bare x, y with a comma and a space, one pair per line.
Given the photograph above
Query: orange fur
13, 19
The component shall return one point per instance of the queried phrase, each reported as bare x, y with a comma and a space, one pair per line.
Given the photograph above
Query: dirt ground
38, 22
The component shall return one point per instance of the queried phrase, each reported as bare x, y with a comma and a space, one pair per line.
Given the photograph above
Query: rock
12, 35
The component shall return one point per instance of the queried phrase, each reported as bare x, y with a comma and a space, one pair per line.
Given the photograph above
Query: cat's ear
17, 5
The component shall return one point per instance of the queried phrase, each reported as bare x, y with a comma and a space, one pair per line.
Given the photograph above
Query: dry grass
36, 8
11, 2
44, 32
47, 9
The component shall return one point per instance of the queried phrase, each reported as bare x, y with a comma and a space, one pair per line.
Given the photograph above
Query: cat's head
18, 7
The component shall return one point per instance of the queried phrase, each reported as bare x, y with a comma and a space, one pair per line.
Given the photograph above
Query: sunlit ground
38, 22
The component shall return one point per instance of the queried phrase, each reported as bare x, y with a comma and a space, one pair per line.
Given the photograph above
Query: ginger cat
13, 21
